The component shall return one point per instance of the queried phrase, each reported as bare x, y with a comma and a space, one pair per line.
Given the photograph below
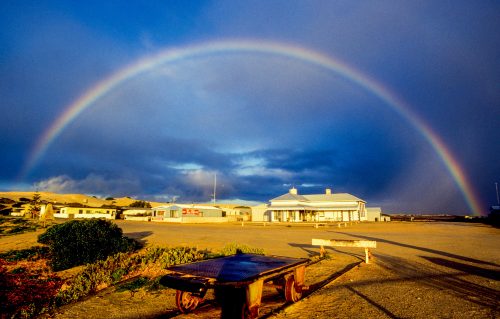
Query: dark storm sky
261, 122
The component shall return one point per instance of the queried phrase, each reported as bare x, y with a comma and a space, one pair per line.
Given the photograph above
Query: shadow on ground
139, 236
314, 251
428, 250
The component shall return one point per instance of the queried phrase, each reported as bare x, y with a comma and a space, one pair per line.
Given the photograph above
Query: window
80, 211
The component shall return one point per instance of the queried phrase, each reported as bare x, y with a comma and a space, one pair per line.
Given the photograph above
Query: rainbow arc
328, 62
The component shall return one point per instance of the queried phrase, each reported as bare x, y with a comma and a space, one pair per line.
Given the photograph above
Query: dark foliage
79, 242
33, 253
140, 203
25, 292
4, 200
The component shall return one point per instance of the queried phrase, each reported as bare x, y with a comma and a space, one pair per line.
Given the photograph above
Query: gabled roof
289, 196
338, 197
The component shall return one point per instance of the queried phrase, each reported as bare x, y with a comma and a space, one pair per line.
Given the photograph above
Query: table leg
232, 301
253, 297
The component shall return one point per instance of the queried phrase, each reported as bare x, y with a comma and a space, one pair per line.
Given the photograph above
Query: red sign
190, 211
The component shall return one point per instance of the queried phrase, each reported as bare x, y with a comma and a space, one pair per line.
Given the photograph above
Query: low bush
79, 242
16, 225
26, 292
233, 248
123, 266
31, 254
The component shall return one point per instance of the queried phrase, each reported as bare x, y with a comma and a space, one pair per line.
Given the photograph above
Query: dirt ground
420, 270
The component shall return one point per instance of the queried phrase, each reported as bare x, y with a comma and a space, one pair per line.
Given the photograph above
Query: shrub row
115, 268
121, 266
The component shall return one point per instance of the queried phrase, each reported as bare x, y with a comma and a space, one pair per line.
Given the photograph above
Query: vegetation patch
29, 287
140, 204
31, 254
16, 225
234, 248
79, 242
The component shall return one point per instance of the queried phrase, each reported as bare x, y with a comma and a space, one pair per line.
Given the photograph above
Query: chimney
293, 191
328, 191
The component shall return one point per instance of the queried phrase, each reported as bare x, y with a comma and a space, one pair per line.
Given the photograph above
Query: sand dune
73, 198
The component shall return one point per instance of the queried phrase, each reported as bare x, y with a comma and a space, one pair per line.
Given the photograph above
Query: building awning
286, 208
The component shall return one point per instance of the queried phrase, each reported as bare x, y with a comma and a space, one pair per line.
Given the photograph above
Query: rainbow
272, 48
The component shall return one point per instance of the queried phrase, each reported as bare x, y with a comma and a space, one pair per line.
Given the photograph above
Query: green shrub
233, 248
79, 242
133, 285
141, 204
31, 254
16, 225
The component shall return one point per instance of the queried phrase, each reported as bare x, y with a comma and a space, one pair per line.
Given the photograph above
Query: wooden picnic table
237, 281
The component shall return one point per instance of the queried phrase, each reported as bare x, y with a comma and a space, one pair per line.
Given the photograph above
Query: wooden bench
366, 244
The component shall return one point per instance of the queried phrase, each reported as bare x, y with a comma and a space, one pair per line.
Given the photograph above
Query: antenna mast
215, 185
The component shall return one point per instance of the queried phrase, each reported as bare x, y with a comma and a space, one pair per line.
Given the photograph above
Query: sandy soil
420, 270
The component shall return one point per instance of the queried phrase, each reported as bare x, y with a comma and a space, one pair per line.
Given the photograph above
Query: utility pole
215, 185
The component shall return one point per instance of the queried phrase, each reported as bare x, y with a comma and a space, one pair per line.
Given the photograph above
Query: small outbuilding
141, 214
185, 213
259, 213
373, 214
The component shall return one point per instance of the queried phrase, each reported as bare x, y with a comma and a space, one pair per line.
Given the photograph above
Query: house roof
337, 197
289, 196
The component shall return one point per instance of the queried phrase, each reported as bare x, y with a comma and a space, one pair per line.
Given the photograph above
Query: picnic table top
239, 267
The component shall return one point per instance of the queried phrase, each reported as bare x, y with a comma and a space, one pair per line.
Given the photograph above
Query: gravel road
420, 270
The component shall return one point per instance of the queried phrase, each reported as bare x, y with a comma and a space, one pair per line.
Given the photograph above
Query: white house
86, 212
292, 207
